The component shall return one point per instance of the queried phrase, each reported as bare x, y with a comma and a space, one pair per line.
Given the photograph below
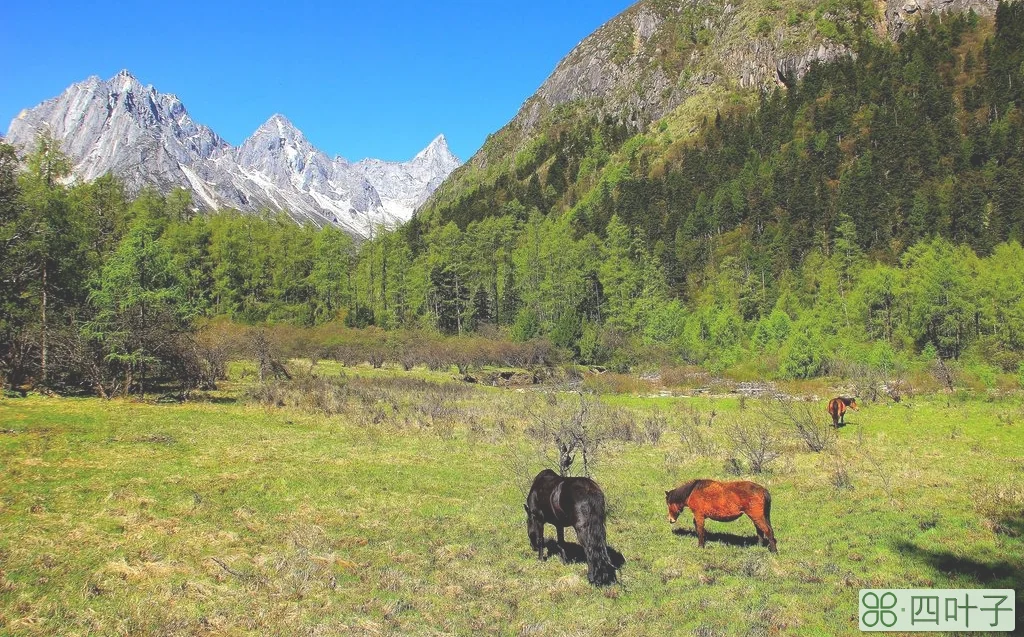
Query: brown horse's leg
698, 521
761, 539
763, 531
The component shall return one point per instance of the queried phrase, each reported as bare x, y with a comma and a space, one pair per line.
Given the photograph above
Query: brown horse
724, 502
575, 502
837, 409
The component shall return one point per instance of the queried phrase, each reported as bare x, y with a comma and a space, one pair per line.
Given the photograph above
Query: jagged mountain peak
148, 139
436, 148
282, 126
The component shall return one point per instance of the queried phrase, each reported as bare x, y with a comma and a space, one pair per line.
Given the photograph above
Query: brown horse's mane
681, 494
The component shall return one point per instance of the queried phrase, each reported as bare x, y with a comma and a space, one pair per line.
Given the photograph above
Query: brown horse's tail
600, 570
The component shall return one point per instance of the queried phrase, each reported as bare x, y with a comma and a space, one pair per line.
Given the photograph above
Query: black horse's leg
561, 543
540, 549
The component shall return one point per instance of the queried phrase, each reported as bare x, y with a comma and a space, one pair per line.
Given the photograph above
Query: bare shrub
838, 475
654, 426
263, 350
348, 354
884, 473
613, 383
944, 374
409, 356
756, 440
867, 381
376, 355
567, 430
696, 433
803, 418
306, 391
619, 424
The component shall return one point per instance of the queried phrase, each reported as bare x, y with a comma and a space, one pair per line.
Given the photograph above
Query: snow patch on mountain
147, 138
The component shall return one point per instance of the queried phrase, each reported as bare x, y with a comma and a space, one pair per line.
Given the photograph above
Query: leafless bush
838, 474
409, 356
376, 356
756, 440
567, 430
803, 418
263, 351
943, 374
439, 411
654, 426
619, 424
319, 394
696, 433
348, 354
867, 381
898, 388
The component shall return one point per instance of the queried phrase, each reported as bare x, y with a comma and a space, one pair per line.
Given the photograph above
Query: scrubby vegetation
355, 499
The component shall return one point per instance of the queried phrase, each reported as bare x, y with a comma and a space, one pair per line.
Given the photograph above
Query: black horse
575, 502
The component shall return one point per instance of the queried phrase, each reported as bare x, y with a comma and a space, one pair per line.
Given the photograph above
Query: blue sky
367, 79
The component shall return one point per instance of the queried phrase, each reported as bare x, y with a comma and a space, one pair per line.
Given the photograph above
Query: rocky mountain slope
148, 139
679, 61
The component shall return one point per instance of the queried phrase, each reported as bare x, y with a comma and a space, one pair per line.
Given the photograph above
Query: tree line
872, 212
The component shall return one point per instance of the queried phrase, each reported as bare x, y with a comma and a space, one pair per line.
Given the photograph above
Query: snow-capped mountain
148, 139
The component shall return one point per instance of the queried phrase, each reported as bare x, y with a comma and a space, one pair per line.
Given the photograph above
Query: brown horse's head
852, 404
674, 508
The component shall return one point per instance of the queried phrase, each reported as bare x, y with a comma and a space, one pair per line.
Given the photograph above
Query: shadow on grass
995, 572
998, 572
574, 554
1001, 571
215, 400
721, 538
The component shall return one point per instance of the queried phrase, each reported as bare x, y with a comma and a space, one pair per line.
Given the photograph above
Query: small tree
569, 432
137, 318
757, 441
806, 419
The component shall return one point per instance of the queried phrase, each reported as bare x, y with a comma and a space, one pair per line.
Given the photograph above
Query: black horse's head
534, 528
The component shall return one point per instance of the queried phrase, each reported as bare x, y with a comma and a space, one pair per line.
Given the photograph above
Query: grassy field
397, 508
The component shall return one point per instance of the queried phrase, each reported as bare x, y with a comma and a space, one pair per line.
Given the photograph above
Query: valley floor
222, 516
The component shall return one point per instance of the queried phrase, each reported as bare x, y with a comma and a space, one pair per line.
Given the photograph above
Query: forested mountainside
865, 208
856, 166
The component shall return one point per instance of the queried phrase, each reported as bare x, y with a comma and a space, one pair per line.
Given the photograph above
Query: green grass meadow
222, 516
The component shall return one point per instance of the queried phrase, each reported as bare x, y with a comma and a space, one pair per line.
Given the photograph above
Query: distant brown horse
837, 409
724, 502
575, 502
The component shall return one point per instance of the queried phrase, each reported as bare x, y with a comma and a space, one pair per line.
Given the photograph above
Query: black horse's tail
600, 571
